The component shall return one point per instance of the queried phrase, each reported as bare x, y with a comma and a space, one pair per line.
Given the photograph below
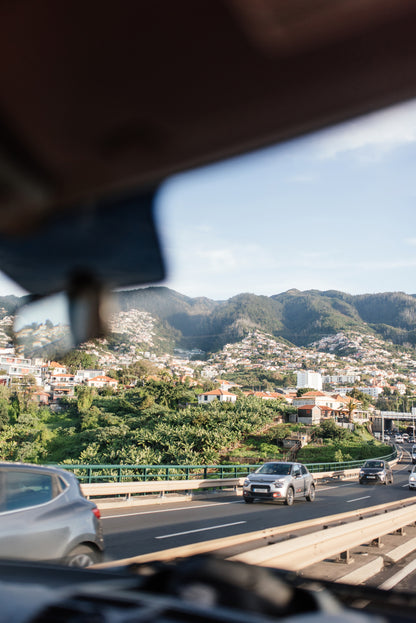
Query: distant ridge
300, 317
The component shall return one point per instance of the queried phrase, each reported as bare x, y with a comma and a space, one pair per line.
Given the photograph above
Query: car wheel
361, 482
83, 556
249, 500
290, 496
311, 495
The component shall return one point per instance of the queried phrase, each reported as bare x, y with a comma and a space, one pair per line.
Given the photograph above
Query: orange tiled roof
313, 393
217, 392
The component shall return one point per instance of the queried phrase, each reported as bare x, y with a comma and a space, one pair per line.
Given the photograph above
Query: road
135, 531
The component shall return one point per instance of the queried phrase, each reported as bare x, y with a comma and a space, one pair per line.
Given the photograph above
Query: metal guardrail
144, 473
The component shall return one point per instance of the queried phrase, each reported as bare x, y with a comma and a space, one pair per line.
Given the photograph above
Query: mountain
295, 316
298, 317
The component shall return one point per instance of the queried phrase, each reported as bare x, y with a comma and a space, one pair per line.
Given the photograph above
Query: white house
102, 381
84, 375
216, 394
317, 398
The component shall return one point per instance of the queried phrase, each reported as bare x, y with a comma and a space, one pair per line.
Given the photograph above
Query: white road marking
336, 487
398, 577
224, 525
169, 510
358, 499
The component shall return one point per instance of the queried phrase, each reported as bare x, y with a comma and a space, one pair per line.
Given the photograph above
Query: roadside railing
345, 465
145, 473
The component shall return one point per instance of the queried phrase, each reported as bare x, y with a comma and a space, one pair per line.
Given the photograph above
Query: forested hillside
298, 317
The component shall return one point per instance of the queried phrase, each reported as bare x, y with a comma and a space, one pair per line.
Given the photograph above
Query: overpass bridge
384, 420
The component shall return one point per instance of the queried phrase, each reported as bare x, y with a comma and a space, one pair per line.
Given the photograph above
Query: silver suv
279, 481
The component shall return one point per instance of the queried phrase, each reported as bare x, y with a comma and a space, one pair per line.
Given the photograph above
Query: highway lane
142, 530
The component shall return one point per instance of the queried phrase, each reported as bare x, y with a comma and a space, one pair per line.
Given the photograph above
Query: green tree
85, 397
303, 390
78, 359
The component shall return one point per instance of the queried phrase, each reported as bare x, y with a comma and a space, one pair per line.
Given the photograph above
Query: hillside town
325, 372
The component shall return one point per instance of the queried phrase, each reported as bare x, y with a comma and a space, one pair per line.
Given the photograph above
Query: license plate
256, 490
370, 477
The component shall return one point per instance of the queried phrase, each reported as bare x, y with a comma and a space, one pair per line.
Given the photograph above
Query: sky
332, 210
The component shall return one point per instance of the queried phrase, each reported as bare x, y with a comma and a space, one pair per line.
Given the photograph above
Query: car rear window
23, 489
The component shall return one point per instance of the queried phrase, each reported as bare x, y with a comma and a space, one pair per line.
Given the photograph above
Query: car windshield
279, 469
284, 333
374, 464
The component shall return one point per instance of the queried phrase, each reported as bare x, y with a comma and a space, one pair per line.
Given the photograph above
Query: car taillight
96, 512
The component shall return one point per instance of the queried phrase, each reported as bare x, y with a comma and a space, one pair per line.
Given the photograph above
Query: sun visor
113, 242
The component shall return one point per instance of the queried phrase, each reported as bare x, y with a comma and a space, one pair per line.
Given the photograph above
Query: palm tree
351, 407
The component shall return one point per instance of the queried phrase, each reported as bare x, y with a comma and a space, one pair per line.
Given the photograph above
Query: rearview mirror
42, 328
51, 326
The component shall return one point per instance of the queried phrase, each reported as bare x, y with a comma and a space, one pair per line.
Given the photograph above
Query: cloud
379, 133
410, 241
232, 257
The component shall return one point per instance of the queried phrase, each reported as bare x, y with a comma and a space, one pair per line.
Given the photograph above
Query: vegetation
156, 423
335, 444
260, 380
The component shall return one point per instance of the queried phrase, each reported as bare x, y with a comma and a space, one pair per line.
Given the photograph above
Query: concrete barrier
303, 551
109, 489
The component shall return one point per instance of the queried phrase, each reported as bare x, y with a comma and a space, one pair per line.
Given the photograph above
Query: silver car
44, 516
279, 481
412, 478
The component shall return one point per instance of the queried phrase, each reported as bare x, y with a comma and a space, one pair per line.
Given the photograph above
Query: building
84, 375
102, 381
374, 392
216, 394
306, 378
334, 379
319, 399
17, 368
309, 414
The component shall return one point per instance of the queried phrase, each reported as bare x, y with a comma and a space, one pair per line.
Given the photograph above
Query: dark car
44, 516
376, 471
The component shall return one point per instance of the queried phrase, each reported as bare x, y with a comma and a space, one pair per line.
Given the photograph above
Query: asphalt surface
141, 530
